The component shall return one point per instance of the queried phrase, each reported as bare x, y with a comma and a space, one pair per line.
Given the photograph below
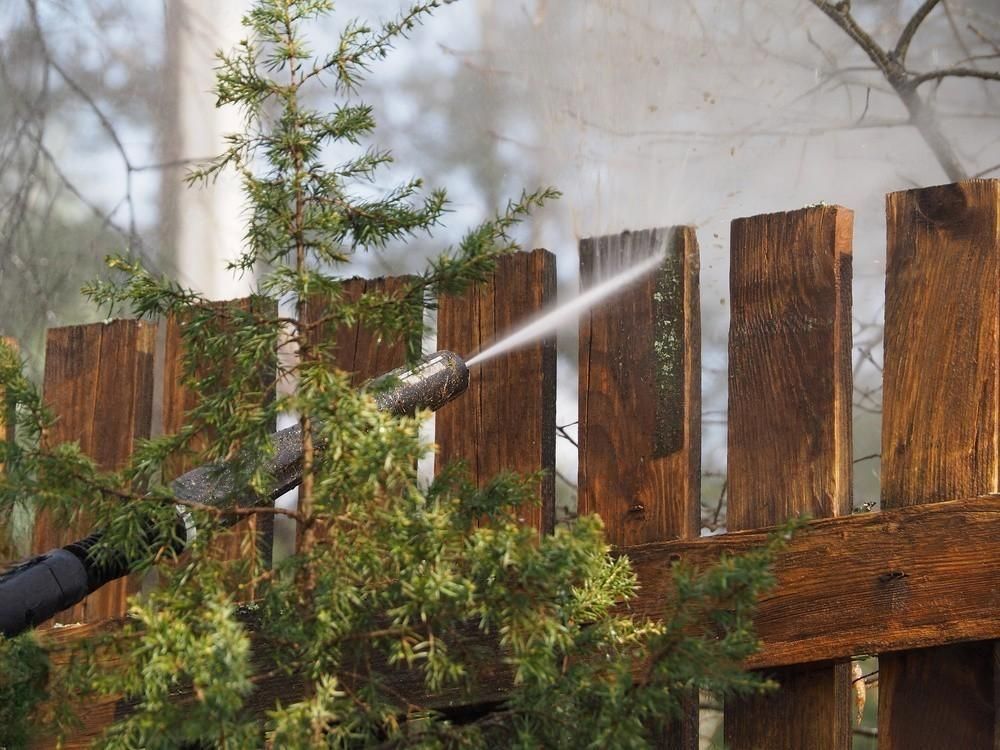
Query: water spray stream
567, 311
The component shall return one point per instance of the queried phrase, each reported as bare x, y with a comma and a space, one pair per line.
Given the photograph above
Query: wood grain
506, 420
640, 401
256, 534
98, 381
861, 584
941, 431
868, 583
640, 390
357, 349
790, 431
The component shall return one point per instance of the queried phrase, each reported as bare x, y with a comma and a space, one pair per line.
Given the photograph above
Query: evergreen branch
359, 44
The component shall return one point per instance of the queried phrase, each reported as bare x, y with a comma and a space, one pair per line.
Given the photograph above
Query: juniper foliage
386, 572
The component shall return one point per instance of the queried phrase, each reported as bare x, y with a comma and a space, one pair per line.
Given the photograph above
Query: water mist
567, 311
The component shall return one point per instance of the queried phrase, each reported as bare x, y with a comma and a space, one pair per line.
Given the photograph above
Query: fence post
640, 401
507, 419
941, 432
99, 382
790, 431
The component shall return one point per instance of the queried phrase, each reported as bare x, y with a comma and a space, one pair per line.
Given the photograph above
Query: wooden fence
917, 583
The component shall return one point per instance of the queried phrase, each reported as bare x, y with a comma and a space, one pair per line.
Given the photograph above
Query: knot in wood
943, 205
891, 576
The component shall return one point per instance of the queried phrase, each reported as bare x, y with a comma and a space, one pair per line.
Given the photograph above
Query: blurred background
643, 112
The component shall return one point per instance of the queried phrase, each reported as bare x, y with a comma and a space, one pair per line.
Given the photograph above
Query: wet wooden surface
640, 389
506, 420
640, 401
98, 381
941, 433
790, 431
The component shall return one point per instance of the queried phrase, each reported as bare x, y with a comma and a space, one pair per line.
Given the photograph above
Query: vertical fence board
354, 348
790, 430
506, 421
99, 382
640, 400
178, 400
640, 390
8, 544
357, 350
941, 431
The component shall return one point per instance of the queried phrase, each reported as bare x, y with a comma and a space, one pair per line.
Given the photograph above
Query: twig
984, 172
910, 30
906, 83
561, 429
983, 75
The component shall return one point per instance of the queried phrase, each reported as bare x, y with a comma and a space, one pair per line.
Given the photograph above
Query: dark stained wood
357, 350
506, 420
790, 431
640, 389
256, 534
640, 401
941, 431
99, 382
861, 584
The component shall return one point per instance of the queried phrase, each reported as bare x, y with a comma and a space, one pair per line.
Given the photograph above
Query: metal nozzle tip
431, 383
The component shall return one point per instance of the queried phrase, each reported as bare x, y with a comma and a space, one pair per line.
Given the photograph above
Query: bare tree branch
904, 82
937, 75
903, 45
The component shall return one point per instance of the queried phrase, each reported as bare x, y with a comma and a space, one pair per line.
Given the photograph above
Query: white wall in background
205, 221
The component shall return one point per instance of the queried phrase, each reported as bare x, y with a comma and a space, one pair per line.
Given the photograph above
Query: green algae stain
668, 352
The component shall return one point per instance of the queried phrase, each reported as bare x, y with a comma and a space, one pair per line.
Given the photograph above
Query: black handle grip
34, 591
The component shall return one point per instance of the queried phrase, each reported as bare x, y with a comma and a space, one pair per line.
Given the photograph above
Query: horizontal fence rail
917, 583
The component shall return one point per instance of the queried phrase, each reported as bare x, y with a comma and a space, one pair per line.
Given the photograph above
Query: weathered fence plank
256, 534
506, 420
941, 433
861, 584
640, 401
99, 382
790, 431
640, 390
358, 350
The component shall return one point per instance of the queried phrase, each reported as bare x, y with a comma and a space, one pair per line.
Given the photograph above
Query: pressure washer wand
35, 590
